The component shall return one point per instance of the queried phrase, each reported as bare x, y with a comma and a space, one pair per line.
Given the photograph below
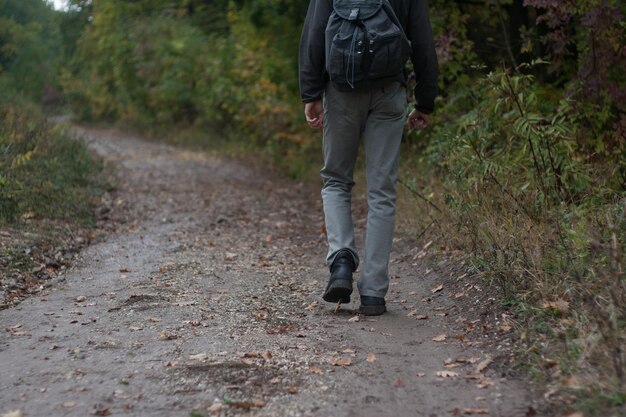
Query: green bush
43, 172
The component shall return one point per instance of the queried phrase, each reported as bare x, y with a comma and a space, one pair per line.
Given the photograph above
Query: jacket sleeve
424, 56
312, 67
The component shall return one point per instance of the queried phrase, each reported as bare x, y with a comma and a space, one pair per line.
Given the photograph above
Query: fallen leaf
171, 363
451, 365
281, 329
398, 383
421, 374
247, 361
483, 365
69, 404
215, 409
101, 412
485, 383
262, 315
267, 355
421, 317
340, 361
469, 411
124, 270
550, 363
349, 351
447, 374
292, 390
167, 336
229, 256
559, 305
440, 338
459, 294
199, 357
247, 405
571, 382
134, 328
437, 288
411, 313
311, 306
506, 327
250, 355
371, 358
80, 299
353, 319
16, 413
315, 370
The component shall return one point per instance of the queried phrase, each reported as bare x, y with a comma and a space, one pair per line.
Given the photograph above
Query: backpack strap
392, 15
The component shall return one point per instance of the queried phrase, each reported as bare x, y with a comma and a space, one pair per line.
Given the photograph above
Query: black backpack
364, 41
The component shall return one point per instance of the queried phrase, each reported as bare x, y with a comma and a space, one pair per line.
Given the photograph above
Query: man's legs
344, 118
382, 136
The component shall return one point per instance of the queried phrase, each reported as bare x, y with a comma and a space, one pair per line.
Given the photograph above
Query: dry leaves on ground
315, 370
560, 305
340, 361
440, 338
437, 288
469, 411
447, 374
16, 413
247, 405
483, 365
199, 357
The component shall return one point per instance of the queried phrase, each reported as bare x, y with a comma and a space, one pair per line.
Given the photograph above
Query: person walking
352, 88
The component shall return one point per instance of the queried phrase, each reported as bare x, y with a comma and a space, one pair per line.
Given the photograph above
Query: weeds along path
207, 301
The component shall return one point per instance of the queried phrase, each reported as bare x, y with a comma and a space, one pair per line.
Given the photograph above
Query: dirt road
207, 301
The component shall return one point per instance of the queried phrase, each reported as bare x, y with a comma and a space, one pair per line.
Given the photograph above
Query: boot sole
339, 290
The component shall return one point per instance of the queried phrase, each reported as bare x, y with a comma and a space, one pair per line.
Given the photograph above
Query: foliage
43, 172
543, 217
30, 48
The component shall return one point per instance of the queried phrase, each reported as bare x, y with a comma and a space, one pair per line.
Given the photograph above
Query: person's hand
314, 113
418, 120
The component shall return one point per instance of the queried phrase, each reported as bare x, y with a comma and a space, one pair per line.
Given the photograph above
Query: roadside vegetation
48, 180
523, 168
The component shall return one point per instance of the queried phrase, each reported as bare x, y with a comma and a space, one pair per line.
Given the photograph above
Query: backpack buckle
354, 14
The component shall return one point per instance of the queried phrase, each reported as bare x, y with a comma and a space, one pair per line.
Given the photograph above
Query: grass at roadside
43, 171
49, 185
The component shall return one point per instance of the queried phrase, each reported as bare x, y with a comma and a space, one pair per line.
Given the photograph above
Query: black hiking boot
372, 306
339, 285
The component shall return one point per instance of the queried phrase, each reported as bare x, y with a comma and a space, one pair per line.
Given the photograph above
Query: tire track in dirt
208, 300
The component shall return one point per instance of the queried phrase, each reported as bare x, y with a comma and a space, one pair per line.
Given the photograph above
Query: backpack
364, 41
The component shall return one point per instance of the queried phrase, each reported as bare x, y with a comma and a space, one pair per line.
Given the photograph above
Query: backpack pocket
387, 54
345, 58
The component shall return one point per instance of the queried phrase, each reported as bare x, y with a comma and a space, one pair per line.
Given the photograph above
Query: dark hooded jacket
413, 16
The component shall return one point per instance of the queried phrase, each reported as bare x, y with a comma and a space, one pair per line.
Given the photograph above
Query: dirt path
207, 302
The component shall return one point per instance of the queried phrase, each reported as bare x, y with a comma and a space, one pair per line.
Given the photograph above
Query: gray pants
378, 116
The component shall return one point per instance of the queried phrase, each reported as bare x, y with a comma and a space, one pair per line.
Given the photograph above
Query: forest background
523, 169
